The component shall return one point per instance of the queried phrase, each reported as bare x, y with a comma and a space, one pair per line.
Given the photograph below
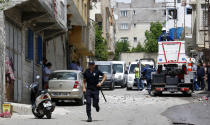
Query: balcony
78, 12
43, 16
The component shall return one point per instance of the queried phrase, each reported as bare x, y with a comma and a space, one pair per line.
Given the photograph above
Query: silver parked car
66, 85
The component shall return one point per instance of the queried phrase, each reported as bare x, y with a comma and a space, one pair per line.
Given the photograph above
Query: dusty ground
127, 108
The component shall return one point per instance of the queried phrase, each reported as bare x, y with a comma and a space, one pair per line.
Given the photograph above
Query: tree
122, 46
101, 52
151, 43
139, 48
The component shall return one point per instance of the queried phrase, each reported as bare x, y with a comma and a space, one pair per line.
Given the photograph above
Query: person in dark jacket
208, 76
148, 74
200, 76
91, 90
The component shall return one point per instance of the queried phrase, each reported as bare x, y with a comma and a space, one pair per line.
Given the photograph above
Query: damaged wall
56, 53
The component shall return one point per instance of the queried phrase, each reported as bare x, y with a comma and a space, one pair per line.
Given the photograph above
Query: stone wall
131, 57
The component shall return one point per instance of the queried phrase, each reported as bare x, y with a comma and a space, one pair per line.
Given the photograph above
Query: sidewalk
22, 109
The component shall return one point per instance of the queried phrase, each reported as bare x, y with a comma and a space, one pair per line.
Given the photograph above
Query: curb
22, 109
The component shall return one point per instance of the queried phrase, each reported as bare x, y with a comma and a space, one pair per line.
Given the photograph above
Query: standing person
200, 76
79, 67
47, 73
194, 71
43, 67
137, 76
73, 65
148, 73
205, 76
208, 76
91, 77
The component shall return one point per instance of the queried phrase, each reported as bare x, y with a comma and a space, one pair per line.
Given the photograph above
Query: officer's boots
89, 119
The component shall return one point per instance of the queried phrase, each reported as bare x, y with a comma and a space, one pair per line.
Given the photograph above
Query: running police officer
91, 77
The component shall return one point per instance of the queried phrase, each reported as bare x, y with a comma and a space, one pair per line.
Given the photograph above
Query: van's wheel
128, 88
112, 86
81, 101
49, 115
123, 85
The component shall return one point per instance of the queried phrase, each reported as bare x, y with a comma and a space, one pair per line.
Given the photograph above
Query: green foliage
3, 4
151, 43
139, 48
101, 52
122, 46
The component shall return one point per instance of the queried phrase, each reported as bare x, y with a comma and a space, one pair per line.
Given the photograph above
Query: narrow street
127, 108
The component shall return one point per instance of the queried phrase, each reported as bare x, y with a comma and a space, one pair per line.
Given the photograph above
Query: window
124, 26
134, 25
39, 49
132, 67
124, 39
135, 39
30, 45
172, 13
134, 12
189, 11
63, 76
118, 68
104, 68
178, 1
124, 13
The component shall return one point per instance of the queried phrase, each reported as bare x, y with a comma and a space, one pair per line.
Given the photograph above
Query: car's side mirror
114, 72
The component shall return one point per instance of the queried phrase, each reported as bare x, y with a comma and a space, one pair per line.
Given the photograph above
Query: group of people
146, 73
76, 66
201, 76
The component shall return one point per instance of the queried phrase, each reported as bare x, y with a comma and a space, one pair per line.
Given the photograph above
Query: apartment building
133, 19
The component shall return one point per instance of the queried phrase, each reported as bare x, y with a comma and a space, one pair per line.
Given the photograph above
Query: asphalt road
124, 108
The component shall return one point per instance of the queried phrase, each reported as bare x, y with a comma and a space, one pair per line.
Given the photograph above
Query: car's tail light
184, 89
76, 84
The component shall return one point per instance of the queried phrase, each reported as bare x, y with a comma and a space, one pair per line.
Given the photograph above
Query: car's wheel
81, 101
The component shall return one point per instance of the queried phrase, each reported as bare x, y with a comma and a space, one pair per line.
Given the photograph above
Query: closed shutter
30, 55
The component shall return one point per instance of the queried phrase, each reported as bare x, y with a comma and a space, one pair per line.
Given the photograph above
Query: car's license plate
60, 94
48, 104
172, 90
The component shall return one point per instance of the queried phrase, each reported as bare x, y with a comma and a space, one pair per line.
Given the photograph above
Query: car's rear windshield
63, 76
